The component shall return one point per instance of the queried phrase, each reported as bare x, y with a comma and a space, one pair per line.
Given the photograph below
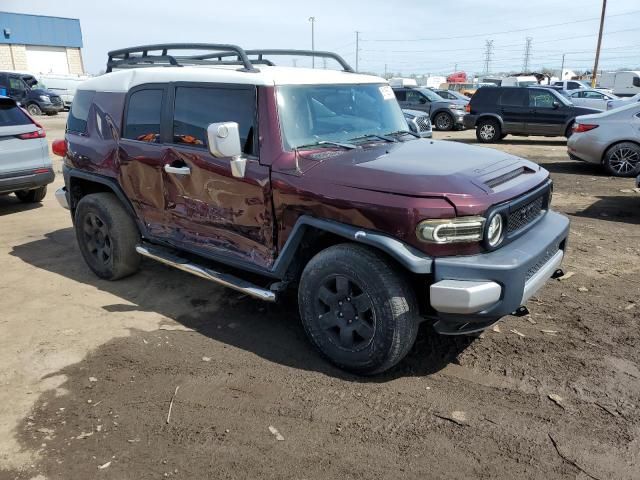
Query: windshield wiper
386, 138
348, 146
403, 132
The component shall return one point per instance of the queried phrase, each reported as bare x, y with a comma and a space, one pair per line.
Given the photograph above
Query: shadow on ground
271, 331
10, 204
622, 209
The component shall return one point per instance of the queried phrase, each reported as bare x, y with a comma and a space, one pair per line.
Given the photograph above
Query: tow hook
557, 274
521, 311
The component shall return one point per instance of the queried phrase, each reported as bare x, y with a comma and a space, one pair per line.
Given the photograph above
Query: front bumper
51, 108
458, 117
470, 293
61, 196
26, 180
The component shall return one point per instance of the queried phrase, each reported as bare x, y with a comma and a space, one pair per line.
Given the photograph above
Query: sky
421, 37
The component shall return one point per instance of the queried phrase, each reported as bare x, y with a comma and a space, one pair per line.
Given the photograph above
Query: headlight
45, 98
463, 229
494, 231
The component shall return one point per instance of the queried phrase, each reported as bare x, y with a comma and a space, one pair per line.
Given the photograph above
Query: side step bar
163, 256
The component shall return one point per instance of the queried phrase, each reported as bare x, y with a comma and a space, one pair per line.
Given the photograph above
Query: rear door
18, 154
548, 115
513, 109
208, 209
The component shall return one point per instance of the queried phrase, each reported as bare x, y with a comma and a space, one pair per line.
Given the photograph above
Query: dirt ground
88, 368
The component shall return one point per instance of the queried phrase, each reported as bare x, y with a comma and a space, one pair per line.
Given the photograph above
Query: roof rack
217, 54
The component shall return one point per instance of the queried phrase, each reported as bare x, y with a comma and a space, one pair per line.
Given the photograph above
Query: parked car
419, 122
610, 139
622, 84
621, 102
500, 111
27, 92
445, 114
452, 95
62, 85
377, 229
25, 166
588, 97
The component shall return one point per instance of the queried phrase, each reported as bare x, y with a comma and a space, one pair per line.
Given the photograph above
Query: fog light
494, 232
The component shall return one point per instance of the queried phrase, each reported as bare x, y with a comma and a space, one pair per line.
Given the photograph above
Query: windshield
430, 94
310, 114
39, 86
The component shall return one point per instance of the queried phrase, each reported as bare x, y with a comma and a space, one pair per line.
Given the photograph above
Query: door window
540, 99
16, 84
573, 85
401, 95
198, 107
415, 98
513, 97
143, 115
594, 95
577, 95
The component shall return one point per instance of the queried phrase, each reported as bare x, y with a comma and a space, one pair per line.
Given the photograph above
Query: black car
498, 112
445, 114
29, 94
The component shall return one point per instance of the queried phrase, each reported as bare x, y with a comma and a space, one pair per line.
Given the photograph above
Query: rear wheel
623, 160
569, 131
357, 309
32, 196
443, 121
488, 131
34, 109
107, 236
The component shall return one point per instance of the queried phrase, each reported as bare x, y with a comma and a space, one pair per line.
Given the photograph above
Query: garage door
47, 60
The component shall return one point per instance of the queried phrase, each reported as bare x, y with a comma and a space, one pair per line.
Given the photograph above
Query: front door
18, 89
548, 114
417, 101
208, 210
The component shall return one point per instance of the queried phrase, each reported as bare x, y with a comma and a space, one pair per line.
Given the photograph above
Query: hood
585, 110
42, 91
428, 168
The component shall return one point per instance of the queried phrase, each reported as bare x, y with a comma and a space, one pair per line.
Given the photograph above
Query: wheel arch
484, 116
440, 110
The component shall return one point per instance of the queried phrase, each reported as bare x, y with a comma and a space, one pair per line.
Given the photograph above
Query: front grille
524, 215
56, 100
541, 262
423, 123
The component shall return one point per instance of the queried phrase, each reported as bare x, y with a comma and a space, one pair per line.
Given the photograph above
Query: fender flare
406, 255
491, 115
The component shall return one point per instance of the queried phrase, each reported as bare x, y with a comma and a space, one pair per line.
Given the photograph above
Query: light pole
313, 41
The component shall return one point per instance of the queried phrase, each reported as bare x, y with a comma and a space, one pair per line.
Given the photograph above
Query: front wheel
357, 309
34, 109
443, 121
488, 131
623, 160
107, 236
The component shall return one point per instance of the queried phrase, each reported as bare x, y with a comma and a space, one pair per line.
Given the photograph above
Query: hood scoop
507, 179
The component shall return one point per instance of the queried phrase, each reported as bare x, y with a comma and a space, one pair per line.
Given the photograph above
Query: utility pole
385, 70
455, 67
527, 55
313, 41
357, 48
562, 68
594, 73
488, 51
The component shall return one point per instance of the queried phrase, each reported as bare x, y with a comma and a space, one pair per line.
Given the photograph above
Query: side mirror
423, 100
224, 142
556, 105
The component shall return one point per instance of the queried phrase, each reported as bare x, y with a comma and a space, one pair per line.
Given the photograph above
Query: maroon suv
262, 178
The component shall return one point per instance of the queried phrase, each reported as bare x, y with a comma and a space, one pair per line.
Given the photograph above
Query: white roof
123, 80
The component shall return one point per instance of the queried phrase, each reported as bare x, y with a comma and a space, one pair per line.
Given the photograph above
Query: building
40, 44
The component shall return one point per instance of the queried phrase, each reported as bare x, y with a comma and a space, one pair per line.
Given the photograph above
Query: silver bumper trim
536, 282
61, 196
462, 296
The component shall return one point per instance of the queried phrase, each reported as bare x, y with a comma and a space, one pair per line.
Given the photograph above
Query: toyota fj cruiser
261, 178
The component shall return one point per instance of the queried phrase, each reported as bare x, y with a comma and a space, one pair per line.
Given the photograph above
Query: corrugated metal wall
38, 30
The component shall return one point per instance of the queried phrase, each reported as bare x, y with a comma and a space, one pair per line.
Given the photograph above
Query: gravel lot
89, 368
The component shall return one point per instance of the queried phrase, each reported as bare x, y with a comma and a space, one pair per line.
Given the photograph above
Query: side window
77, 121
577, 95
197, 107
513, 97
538, 98
415, 98
560, 84
401, 95
636, 81
573, 85
596, 95
143, 116
16, 83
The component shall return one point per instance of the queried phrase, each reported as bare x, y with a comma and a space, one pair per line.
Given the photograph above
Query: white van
521, 81
63, 85
623, 84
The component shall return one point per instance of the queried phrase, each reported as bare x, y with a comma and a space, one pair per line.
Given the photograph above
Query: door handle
177, 170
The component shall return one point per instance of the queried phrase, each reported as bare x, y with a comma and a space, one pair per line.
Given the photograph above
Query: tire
443, 121
569, 131
34, 109
622, 160
51, 114
107, 236
488, 131
357, 309
32, 196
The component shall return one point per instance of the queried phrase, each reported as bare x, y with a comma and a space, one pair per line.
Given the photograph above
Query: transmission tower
527, 55
488, 51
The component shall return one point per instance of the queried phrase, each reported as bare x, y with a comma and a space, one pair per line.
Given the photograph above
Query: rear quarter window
77, 121
144, 113
514, 97
11, 114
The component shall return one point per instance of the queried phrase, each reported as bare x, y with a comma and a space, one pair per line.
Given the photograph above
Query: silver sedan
610, 139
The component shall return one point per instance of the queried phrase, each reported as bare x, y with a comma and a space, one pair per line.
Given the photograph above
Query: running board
163, 256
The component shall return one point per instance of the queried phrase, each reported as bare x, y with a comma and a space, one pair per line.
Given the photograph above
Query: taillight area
59, 147
467, 108
583, 127
40, 133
